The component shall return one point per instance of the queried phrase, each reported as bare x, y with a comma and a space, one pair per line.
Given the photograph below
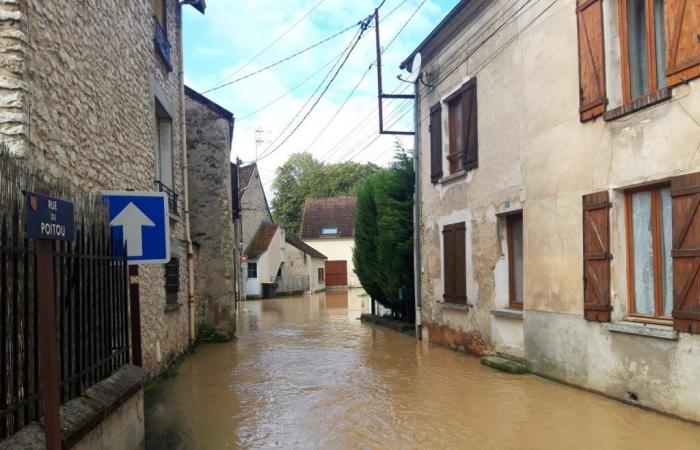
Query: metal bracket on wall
380, 93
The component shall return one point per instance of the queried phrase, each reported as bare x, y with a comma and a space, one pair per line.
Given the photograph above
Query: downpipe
417, 212
185, 189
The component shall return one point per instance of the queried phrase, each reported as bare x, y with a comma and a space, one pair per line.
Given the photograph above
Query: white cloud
232, 32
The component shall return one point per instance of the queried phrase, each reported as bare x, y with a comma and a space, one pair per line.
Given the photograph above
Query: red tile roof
293, 239
336, 212
262, 239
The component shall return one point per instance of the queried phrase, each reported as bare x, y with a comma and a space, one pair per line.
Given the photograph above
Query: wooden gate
336, 273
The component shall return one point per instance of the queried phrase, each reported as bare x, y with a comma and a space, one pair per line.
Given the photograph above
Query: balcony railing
172, 197
163, 47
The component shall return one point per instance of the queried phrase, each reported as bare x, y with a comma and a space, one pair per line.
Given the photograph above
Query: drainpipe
417, 211
185, 189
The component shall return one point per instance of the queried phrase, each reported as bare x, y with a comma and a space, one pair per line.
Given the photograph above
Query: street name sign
49, 217
140, 220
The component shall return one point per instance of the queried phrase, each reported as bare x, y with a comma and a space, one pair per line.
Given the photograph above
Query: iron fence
91, 294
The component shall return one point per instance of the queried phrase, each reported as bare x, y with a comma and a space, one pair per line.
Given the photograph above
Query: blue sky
220, 45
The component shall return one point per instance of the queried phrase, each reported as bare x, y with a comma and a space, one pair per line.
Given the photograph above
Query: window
252, 270
172, 280
435, 129
160, 9
454, 258
462, 113
650, 268
321, 274
514, 231
329, 231
643, 47
164, 157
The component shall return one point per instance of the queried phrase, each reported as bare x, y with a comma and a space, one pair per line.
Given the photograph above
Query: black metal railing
162, 45
92, 313
172, 197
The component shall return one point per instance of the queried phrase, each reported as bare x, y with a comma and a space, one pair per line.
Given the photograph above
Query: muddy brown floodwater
305, 373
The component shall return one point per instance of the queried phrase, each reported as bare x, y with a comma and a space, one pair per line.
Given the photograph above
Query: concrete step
504, 365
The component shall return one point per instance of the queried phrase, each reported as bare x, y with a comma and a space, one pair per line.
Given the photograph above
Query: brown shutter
460, 264
685, 194
469, 116
596, 257
435, 143
682, 32
591, 59
448, 263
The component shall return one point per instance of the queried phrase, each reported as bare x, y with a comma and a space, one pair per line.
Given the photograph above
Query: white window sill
508, 313
456, 306
642, 329
453, 176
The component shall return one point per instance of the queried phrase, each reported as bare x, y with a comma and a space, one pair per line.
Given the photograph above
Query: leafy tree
383, 253
302, 177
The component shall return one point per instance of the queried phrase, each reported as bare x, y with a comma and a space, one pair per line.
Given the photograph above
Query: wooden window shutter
682, 32
435, 143
460, 264
596, 257
685, 198
591, 59
469, 115
448, 262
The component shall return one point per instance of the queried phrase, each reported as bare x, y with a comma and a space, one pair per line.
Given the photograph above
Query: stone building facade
209, 135
253, 205
552, 162
86, 93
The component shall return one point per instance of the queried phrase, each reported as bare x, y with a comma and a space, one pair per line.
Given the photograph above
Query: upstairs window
643, 47
329, 231
160, 9
462, 114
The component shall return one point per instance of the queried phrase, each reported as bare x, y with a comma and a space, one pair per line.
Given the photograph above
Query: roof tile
336, 212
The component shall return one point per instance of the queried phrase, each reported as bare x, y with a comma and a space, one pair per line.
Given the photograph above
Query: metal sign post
140, 221
48, 219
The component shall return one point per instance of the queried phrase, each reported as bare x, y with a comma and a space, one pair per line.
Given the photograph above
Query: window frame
321, 275
513, 303
172, 279
451, 279
650, 32
655, 210
164, 23
456, 155
254, 266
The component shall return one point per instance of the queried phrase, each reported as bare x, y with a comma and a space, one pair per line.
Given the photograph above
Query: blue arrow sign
140, 221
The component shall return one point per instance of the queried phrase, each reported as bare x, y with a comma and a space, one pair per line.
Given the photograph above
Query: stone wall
254, 208
212, 227
536, 155
78, 85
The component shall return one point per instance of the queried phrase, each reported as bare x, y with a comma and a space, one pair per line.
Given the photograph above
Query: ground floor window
650, 268
321, 274
252, 270
172, 279
455, 268
514, 227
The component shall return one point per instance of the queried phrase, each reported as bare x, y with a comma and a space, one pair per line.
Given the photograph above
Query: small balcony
163, 46
172, 197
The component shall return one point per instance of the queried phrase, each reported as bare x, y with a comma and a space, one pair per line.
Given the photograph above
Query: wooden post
48, 346
135, 307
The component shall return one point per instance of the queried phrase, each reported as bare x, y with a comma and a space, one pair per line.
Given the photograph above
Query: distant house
253, 205
304, 268
328, 226
264, 258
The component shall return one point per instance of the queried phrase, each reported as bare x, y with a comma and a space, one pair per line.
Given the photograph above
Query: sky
224, 44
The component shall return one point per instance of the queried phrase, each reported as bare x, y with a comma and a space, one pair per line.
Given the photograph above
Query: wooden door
336, 273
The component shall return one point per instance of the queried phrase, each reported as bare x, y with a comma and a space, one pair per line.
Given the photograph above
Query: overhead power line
363, 27
277, 39
277, 63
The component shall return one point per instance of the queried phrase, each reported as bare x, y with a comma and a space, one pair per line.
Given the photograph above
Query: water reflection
306, 373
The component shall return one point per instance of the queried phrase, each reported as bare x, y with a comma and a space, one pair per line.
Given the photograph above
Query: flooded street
305, 373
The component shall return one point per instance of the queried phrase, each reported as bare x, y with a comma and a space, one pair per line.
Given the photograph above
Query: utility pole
258, 140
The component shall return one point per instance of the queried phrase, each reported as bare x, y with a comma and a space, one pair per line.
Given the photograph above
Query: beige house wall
77, 94
298, 263
535, 154
338, 250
